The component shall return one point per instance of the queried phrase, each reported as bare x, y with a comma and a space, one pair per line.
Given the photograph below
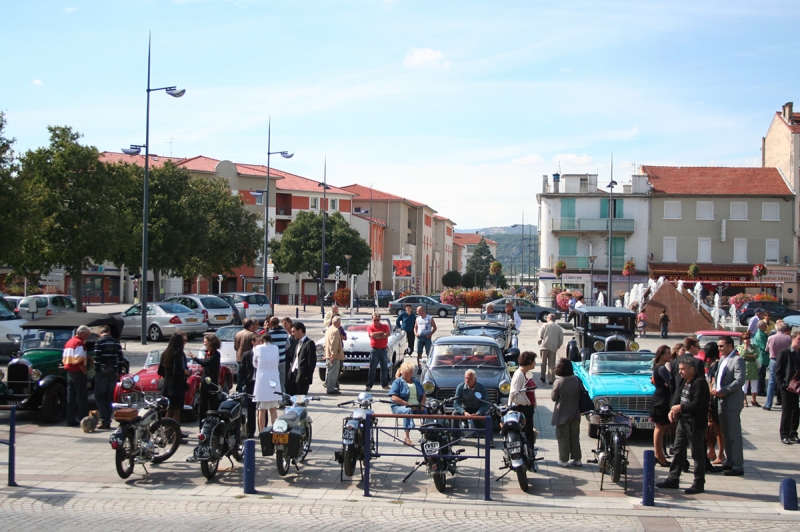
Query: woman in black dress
209, 397
659, 407
172, 367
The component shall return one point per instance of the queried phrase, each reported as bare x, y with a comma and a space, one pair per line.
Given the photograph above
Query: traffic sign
270, 270
49, 283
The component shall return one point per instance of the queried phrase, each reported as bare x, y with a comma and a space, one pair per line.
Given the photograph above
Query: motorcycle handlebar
345, 403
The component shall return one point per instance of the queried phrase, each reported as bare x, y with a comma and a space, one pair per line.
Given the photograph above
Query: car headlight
14, 338
127, 383
598, 345
501, 343
634, 346
428, 386
2, 375
600, 401
505, 387
36, 374
320, 350
280, 426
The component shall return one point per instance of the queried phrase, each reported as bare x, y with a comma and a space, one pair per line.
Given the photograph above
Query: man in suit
303, 354
728, 388
786, 365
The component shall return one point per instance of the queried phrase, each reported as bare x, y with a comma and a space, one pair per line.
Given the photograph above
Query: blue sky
463, 104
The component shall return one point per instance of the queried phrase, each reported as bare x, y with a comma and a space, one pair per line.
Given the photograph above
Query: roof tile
716, 181
470, 238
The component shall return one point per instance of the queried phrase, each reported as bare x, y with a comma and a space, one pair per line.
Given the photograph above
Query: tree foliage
473, 279
451, 279
480, 261
13, 216
300, 248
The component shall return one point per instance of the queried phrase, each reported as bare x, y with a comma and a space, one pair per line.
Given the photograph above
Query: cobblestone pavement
67, 480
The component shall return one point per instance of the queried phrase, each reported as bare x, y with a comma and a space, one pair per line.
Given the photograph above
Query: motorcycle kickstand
504, 474
146, 472
297, 468
419, 464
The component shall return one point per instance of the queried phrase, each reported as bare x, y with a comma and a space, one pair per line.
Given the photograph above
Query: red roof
156, 161
470, 238
794, 126
375, 221
716, 181
378, 195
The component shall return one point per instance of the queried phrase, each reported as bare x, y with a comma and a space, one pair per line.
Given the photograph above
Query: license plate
202, 453
619, 428
351, 368
191, 320
642, 423
513, 445
430, 447
260, 312
281, 439
221, 317
348, 435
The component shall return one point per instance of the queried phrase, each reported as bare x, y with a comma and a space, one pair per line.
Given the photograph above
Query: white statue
680, 286
601, 302
717, 312
732, 312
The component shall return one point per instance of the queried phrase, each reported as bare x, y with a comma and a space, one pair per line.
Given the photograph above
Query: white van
10, 330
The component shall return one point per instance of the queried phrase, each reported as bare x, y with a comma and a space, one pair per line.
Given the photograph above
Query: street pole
322, 213
592, 258
370, 291
611, 186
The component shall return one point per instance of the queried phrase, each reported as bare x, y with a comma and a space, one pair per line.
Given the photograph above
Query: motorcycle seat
289, 416
220, 413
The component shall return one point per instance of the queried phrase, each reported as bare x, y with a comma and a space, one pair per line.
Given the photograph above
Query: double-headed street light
611, 210
135, 149
592, 258
323, 211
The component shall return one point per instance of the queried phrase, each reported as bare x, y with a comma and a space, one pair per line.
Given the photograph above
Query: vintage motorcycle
143, 435
289, 438
223, 434
353, 428
519, 455
611, 454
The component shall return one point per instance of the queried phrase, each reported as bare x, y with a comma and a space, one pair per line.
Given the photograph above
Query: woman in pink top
641, 323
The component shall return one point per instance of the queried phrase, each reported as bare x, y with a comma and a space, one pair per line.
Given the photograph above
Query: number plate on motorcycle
430, 447
513, 445
619, 428
282, 439
202, 452
349, 434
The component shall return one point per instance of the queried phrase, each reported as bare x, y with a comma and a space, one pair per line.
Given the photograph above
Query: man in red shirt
74, 360
379, 334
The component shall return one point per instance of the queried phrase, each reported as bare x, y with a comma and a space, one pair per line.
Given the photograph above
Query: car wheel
322, 372
54, 403
543, 316
154, 333
398, 312
442, 313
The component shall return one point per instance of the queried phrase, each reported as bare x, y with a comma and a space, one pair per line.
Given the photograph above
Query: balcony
582, 263
590, 225
283, 210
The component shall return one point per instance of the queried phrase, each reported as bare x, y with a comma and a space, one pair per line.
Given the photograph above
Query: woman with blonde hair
408, 397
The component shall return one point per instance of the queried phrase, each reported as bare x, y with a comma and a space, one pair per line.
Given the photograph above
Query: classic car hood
356, 340
452, 376
38, 357
617, 384
603, 334
148, 378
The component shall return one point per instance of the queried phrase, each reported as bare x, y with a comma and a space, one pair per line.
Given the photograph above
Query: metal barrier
11, 442
487, 435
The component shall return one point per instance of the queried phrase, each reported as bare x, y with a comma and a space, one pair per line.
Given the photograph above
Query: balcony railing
582, 263
583, 225
283, 210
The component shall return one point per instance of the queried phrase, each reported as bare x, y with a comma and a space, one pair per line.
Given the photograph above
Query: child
663, 320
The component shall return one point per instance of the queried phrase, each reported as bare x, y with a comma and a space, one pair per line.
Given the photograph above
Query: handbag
585, 403
794, 384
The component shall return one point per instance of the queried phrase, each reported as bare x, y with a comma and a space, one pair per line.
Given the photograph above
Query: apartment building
467, 242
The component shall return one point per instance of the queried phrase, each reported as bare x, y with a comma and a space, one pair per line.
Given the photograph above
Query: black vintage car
602, 329
497, 330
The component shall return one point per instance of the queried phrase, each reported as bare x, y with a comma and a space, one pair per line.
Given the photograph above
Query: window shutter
568, 246
603, 208
670, 249
740, 250
568, 207
770, 212
618, 210
738, 210
772, 250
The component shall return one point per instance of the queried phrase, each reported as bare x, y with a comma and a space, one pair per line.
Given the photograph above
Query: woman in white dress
265, 360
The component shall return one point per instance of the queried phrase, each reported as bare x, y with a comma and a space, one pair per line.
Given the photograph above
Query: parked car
252, 305
793, 321
471, 325
163, 319
526, 309
237, 319
431, 307
776, 310
148, 385
10, 330
357, 349
227, 353
383, 298
453, 355
217, 312
715, 334
622, 380
602, 329
13, 302
36, 379
47, 305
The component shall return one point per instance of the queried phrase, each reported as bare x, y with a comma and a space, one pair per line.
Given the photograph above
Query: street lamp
135, 149
610, 186
592, 258
522, 249
323, 211
285, 155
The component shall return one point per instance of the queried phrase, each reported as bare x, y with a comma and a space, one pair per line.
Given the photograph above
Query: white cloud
528, 159
37, 82
425, 57
571, 158
70, 10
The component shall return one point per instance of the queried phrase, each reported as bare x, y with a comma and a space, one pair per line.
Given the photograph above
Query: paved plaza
67, 480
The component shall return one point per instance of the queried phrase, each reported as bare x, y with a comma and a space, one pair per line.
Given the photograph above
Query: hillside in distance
509, 246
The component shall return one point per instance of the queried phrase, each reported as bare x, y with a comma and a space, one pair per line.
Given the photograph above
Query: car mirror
273, 384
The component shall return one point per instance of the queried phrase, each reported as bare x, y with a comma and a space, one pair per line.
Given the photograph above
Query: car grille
616, 345
636, 403
357, 356
138, 397
447, 393
18, 378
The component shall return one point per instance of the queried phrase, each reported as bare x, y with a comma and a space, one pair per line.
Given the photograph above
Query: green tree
75, 199
300, 249
451, 279
473, 279
13, 214
480, 261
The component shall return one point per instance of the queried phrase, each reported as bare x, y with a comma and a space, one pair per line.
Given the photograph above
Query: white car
357, 349
227, 354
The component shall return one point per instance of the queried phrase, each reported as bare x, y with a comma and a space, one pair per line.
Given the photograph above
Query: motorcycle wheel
125, 455
305, 445
522, 478
238, 450
209, 467
349, 460
440, 481
617, 465
167, 437
283, 462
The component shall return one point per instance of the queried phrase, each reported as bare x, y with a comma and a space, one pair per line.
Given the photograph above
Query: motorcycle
223, 434
143, 435
519, 455
611, 454
289, 438
353, 433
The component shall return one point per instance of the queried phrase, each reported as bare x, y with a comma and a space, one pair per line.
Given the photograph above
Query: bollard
297, 313
788, 494
487, 426
304, 306
250, 466
12, 449
648, 478
367, 451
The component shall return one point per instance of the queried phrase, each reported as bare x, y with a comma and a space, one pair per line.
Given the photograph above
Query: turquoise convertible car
622, 380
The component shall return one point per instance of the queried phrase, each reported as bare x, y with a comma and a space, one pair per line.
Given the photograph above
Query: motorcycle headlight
634, 346
505, 387
280, 426
127, 383
600, 401
428, 386
598, 345
36, 374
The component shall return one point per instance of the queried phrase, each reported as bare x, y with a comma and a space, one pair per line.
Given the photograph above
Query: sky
463, 105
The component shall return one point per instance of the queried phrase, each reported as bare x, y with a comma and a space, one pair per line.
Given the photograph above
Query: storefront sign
634, 279
779, 277
575, 277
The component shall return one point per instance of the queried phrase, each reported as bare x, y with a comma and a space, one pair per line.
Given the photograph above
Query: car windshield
172, 308
213, 302
358, 325
45, 338
465, 355
5, 311
153, 358
227, 334
481, 331
257, 299
622, 323
631, 363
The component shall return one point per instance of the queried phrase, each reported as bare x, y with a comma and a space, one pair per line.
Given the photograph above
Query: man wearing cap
752, 326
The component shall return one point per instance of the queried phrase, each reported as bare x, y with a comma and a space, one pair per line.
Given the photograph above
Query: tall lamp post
592, 258
611, 209
323, 211
135, 149
522, 249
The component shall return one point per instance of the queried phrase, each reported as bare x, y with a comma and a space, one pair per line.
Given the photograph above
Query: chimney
545, 184
787, 112
556, 181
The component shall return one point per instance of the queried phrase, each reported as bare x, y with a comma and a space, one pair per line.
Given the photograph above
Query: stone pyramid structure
684, 317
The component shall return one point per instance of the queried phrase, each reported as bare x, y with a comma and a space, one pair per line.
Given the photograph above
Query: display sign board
401, 266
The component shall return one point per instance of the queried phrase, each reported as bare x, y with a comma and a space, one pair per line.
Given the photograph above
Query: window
740, 250
568, 246
770, 212
568, 207
705, 210
772, 250
313, 204
738, 210
260, 199
618, 208
703, 249
672, 210
670, 249
334, 204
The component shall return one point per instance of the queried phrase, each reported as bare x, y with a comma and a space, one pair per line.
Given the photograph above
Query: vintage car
602, 329
227, 353
620, 379
36, 378
496, 329
148, 385
357, 349
453, 355
432, 307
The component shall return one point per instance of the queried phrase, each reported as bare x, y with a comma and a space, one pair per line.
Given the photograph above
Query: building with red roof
467, 243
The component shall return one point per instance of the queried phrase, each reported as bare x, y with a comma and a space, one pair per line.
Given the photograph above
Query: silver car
47, 305
432, 307
215, 311
252, 305
163, 319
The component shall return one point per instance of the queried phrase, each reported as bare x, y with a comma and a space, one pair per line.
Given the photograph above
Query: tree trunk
156, 285
77, 278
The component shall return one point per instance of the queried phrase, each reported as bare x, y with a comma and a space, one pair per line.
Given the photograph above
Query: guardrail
368, 456
11, 442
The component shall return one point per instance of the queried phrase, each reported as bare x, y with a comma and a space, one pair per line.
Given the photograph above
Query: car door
132, 321
525, 309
